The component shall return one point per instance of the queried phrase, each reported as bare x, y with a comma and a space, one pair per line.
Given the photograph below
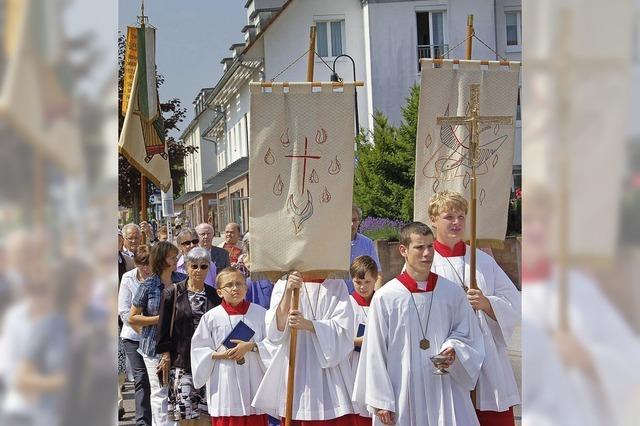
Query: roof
186, 197
228, 174
262, 9
266, 27
238, 73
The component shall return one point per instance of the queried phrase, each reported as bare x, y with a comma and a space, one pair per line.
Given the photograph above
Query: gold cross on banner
472, 122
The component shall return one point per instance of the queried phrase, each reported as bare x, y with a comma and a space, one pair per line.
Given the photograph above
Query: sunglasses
192, 242
204, 266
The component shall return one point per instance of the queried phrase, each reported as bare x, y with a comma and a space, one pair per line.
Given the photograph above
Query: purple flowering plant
378, 228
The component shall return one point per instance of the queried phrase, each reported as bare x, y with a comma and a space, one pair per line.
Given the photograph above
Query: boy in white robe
412, 318
232, 376
364, 274
323, 380
496, 302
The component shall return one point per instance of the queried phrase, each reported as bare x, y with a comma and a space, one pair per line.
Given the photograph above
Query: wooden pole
563, 165
296, 293
473, 205
143, 179
473, 147
38, 186
312, 53
143, 204
470, 32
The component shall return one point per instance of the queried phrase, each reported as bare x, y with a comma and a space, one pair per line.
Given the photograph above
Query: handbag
173, 317
173, 311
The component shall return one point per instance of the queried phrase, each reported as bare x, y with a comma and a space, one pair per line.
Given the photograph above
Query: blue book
240, 332
360, 333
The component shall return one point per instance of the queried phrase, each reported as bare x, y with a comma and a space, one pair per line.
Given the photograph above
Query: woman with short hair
183, 305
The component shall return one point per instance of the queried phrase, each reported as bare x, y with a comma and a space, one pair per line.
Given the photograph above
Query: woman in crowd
130, 339
183, 305
258, 291
145, 313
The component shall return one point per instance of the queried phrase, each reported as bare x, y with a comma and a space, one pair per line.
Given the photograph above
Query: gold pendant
424, 344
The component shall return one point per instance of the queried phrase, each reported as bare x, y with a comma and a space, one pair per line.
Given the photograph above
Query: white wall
288, 38
235, 143
393, 44
201, 165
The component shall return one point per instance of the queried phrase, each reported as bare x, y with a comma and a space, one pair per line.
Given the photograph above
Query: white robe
360, 317
497, 389
230, 387
395, 374
610, 342
323, 380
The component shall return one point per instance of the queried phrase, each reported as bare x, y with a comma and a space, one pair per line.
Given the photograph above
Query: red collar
412, 285
459, 249
361, 301
240, 309
540, 271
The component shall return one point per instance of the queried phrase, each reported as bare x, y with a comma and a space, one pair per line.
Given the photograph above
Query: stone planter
509, 259
390, 260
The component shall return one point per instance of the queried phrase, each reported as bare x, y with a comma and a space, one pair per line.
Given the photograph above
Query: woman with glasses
182, 307
188, 239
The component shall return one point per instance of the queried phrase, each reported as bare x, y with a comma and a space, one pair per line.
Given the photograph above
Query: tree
128, 176
385, 168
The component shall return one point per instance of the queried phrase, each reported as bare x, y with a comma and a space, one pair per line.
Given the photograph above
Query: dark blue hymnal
360, 333
240, 332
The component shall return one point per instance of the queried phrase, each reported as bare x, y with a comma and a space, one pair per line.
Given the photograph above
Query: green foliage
385, 168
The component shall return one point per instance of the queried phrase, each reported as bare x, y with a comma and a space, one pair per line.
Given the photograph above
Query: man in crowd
125, 262
361, 246
131, 233
232, 242
219, 256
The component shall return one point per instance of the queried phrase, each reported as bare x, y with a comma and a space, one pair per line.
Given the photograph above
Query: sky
192, 37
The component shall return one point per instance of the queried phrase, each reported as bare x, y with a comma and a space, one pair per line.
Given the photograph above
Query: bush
381, 229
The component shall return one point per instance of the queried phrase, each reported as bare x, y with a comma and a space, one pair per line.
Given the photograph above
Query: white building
385, 38
200, 165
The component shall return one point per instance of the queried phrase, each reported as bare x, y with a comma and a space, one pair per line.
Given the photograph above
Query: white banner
301, 177
442, 152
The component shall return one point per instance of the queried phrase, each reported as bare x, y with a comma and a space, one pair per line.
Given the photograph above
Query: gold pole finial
142, 19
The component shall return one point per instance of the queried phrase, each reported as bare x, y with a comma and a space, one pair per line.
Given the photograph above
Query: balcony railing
432, 51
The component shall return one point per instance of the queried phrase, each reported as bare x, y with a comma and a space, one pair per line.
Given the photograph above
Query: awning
228, 174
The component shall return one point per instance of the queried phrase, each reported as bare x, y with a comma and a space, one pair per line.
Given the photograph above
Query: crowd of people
205, 343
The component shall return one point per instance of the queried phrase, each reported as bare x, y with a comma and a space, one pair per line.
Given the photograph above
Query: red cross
304, 165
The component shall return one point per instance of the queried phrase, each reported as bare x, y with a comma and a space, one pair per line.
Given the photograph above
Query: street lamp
336, 77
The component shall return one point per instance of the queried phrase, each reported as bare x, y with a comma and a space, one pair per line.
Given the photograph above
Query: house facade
385, 39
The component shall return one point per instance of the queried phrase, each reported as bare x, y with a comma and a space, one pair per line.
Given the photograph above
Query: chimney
226, 63
249, 33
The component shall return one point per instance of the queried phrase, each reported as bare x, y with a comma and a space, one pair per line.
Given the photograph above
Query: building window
514, 29
431, 35
329, 38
